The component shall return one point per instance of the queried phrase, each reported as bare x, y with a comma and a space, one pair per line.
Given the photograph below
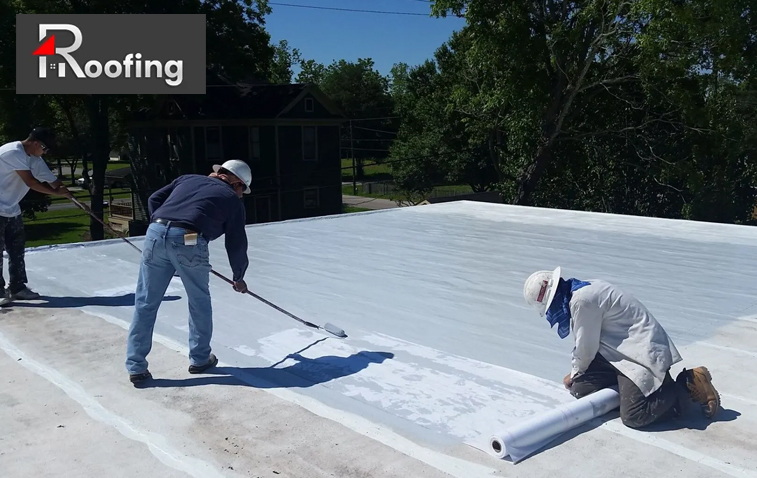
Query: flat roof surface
442, 351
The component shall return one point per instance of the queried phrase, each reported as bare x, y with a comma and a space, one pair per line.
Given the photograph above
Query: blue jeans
164, 253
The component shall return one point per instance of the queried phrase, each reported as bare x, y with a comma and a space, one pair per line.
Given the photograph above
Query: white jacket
614, 323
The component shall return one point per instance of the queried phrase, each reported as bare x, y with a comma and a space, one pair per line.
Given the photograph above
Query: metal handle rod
266, 302
271, 304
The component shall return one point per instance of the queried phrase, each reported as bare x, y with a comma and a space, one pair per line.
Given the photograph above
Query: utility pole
354, 171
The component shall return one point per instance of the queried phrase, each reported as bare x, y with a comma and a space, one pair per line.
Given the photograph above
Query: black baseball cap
44, 135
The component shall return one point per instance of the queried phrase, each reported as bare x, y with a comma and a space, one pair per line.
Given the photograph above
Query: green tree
703, 54
237, 47
439, 142
634, 107
538, 61
363, 94
311, 72
284, 59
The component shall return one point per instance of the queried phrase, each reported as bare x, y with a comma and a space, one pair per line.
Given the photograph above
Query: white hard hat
540, 289
238, 168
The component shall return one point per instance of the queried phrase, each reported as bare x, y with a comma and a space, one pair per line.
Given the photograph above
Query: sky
327, 35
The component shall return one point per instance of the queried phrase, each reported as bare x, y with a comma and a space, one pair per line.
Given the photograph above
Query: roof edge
74, 245
106, 242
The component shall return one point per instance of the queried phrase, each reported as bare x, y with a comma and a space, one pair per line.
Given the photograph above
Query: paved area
368, 203
67, 409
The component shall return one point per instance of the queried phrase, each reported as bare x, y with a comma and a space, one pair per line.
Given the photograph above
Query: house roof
225, 99
442, 352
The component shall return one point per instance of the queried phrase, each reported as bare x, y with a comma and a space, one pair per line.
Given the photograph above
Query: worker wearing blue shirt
186, 215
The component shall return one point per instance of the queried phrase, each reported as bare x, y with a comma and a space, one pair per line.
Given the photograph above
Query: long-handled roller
330, 328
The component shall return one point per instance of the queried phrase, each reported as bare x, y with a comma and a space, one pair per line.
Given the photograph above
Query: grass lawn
59, 227
84, 195
350, 209
374, 172
383, 172
116, 165
53, 165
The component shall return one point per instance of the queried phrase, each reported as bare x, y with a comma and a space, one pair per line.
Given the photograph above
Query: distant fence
382, 188
442, 191
387, 188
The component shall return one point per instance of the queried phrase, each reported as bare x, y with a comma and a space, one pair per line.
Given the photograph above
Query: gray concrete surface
74, 413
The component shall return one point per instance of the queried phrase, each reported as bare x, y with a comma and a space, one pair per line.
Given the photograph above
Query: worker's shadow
306, 372
125, 300
693, 419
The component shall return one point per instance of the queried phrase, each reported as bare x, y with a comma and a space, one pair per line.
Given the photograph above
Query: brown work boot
699, 384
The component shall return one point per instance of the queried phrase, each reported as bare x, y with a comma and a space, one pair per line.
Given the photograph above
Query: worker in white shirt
618, 342
21, 169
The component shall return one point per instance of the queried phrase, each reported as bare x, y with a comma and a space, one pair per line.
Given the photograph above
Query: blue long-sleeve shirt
212, 207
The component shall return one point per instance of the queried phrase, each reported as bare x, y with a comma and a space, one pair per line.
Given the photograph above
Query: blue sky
327, 35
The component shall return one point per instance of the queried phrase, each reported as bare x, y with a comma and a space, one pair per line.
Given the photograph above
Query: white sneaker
25, 294
6, 298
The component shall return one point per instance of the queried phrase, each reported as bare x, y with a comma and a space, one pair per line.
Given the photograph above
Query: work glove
240, 286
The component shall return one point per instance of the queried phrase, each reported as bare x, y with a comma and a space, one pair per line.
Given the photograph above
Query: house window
234, 142
309, 144
310, 197
309, 108
213, 150
255, 143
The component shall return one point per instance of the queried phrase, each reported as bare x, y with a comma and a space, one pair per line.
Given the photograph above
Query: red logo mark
47, 48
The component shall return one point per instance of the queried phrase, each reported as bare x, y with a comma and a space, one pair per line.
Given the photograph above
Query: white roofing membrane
441, 347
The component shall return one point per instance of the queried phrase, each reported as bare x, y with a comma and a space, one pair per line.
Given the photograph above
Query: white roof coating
441, 353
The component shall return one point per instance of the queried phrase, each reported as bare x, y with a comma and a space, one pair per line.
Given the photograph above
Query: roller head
498, 447
333, 329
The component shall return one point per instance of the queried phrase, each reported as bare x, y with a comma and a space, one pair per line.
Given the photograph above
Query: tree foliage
643, 107
284, 60
362, 93
90, 126
625, 106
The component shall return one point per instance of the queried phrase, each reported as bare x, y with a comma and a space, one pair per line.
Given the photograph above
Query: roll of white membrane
527, 437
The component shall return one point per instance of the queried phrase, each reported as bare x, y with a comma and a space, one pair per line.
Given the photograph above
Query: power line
376, 130
354, 10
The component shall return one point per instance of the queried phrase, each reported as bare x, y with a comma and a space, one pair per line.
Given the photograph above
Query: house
288, 134
442, 351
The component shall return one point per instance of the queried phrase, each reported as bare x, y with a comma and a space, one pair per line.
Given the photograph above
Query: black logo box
161, 38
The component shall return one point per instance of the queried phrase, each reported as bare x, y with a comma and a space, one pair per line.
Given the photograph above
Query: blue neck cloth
559, 310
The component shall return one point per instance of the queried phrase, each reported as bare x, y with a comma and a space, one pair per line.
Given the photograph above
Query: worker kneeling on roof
186, 215
618, 342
